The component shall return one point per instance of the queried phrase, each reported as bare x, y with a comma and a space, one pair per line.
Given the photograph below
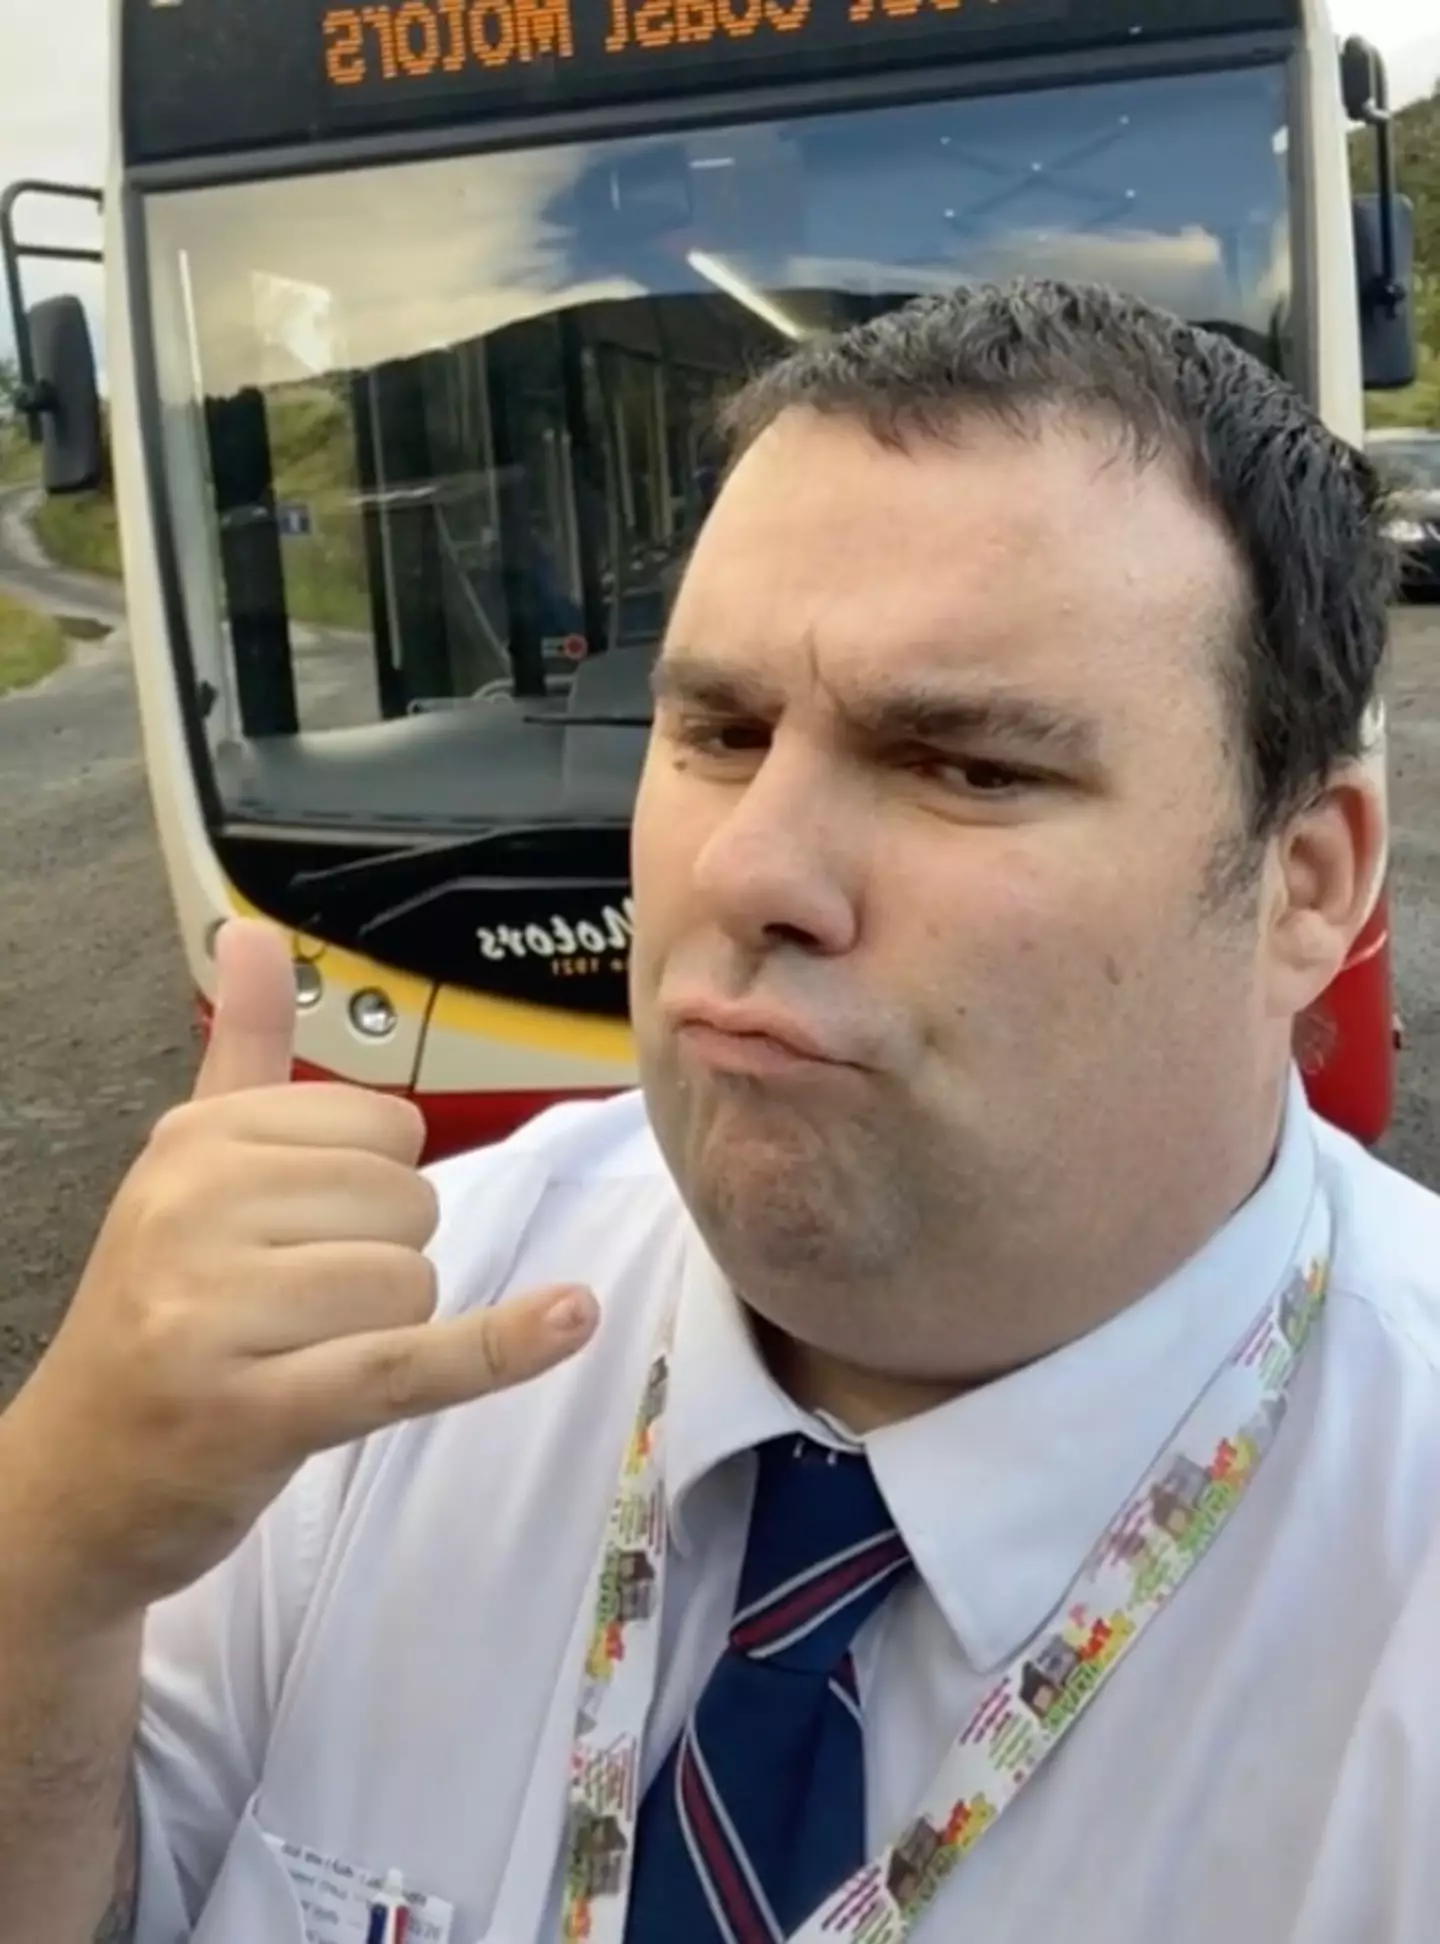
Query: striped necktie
759, 1811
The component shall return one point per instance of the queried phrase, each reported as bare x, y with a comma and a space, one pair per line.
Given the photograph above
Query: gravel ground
95, 1031
95, 1035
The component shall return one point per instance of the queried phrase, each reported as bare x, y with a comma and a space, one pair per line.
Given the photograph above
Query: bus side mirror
65, 396
1387, 311
1384, 230
1362, 81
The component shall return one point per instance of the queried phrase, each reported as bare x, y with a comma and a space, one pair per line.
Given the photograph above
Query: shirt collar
1002, 1494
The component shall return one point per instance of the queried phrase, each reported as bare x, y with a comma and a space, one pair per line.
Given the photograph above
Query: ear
1325, 876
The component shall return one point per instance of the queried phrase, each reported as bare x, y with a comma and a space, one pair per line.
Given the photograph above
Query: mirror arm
37, 398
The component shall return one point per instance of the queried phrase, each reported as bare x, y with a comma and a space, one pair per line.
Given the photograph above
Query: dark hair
1306, 510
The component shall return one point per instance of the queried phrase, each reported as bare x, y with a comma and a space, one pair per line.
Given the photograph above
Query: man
987, 1484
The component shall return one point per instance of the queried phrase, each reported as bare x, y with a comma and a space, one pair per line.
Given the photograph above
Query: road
95, 1039
26, 574
96, 1036
1414, 693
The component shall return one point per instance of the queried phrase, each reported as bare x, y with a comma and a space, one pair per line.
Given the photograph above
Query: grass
312, 447
76, 530
321, 585
19, 460
32, 646
324, 573
80, 530
312, 451
1420, 405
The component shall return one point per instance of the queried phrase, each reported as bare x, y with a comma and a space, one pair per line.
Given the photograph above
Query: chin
778, 1185
773, 1208
734, 1130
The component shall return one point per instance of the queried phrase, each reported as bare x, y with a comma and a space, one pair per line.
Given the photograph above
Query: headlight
1406, 533
372, 1015
309, 986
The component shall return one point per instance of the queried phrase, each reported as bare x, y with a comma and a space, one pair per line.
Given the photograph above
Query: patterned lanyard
1145, 1554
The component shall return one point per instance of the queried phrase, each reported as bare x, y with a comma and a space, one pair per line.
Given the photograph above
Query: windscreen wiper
460, 850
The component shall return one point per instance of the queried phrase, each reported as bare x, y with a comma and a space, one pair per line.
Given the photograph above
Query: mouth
745, 1039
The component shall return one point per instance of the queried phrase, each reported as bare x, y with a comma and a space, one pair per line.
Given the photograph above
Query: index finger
350, 1387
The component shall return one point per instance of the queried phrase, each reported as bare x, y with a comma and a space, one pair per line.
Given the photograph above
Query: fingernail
571, 1315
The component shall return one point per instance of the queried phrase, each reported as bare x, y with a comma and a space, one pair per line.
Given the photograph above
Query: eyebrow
911, 712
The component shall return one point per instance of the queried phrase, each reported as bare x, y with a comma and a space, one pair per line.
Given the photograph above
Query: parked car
1411, 462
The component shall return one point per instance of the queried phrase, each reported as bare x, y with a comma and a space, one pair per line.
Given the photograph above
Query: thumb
252, 1039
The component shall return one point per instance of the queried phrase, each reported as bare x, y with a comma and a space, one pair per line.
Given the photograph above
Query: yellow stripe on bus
475, 1015
517, 1024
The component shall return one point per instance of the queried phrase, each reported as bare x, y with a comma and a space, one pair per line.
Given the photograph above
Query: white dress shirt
385, 1673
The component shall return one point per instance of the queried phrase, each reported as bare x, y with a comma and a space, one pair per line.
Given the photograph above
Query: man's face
931, 979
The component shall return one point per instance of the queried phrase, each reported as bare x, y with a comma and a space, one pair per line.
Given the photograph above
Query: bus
417, 316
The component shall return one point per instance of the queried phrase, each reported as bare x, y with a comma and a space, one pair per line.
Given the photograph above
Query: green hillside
312, 451
1417, 152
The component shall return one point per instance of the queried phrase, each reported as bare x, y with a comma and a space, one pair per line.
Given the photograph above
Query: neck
864, 1399
861, 1400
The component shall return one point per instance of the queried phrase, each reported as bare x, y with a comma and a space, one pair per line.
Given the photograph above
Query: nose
784, 864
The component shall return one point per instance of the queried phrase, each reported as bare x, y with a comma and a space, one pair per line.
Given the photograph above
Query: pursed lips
760, 1026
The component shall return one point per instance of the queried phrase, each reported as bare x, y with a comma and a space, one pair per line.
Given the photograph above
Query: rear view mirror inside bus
69, 397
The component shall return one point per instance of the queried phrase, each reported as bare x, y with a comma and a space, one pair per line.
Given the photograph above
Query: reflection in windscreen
440, 433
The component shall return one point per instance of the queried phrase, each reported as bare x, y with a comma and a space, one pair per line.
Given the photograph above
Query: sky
54, 76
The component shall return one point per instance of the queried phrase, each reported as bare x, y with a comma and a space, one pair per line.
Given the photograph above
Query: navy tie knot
822, 1555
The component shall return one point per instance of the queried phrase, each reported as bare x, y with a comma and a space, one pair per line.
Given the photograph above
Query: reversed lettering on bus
561, 939
661, 23
420, 38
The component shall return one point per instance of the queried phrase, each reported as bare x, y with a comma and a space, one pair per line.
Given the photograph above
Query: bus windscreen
199, 79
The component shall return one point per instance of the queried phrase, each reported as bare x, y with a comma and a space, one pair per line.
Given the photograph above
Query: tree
9, 388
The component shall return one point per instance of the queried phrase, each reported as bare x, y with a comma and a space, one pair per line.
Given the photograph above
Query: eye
718, 736
977, 775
